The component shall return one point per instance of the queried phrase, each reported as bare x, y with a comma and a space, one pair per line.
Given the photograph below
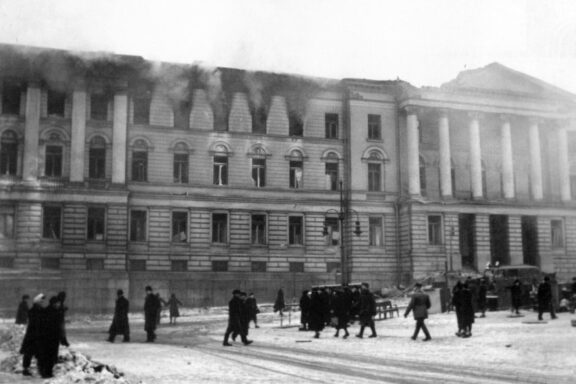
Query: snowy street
502, 350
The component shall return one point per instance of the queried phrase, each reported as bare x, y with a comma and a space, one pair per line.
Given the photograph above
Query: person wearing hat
367, 311
253, 310
52, 338
419, 304
62, 309
32, 342
22, 312
151, 308
545, 299
120, 324
235, 321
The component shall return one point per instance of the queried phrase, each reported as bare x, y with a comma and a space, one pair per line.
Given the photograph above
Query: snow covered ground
502, 349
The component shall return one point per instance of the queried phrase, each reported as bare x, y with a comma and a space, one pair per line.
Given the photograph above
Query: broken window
11, 94
56, 103
51, 223
96, 223
99, 106
179, 227
8, 153
331, 125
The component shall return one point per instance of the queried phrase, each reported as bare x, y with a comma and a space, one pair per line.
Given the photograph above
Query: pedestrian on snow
482, 292
33, 338
457, 305
152, 307
235, 323
355, 294
316, 316
367, 311
244, 317
53, 337
419, 305
161, 303
120, 325
341, 310
62, 309
173, 304
326, 298
279, 304
516, 296
545, 303
467, 310
253, 310
305, 300
22, 312
573, 286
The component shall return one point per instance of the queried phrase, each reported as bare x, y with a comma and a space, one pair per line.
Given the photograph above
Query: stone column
119, 138
78, 135
413, 152
507, 160
563, 165
475, 156
445, 156
535, 161
31, 132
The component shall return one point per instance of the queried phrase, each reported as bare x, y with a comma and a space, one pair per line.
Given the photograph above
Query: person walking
62, 308
367, 311
253, 310
120, 324
279, 303
467, 310
22, 312
545, 303
457, 305
151, 310
52, 339
305, 310
173, 304
244, 317
316, 317
419, 305
482, 292
341, 310
516, 296
32, 341
235, 319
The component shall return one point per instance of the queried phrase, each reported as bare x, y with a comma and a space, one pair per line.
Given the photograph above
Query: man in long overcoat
341, 304
235, 321
151, 308
467, 310
53, 337
33, 337
253, 310
367, 311
516, 296
22, 312
305, 310
419, 304
120, 324
545, 299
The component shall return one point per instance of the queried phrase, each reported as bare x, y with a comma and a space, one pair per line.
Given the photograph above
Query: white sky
426, 42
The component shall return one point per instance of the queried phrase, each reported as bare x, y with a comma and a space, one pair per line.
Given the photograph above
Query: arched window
53, 156
296, 169
375, 162
140, 161
97, 158
220, 168
8, 153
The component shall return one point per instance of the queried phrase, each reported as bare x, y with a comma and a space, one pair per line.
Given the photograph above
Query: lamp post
342, 215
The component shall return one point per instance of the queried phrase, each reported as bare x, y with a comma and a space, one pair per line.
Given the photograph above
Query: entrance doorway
499, 248
530, 240
466, 232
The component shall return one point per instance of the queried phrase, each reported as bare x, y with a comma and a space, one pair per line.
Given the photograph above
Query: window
332, 267
220, 266
295, 230
374, 127
259, 172
557, 233
137, 265
99, 107
332, 176
374, 177
220, 170
97, 158
8, 153
332, 226
331, 125
484, 182
96, 220
140, 161
179, 227
259, 120
137, 225
6, 222
258, 266
295, 124
181, 168
220, 228
434, 230
53, 161
7, 262
375, 232
258, 229
51, 223
296, 174
50, 263
296, 266
179, 265
93, 264
182, 110
142, 110
453, 179
56, 103
422, 177
11, 94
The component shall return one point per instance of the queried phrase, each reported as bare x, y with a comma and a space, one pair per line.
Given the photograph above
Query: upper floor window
97, 158
8, 153
99, 106
179, 227
56, 103
434, 230
422, 177
295, 230
6, 222
220, 228
11, 94
375, 162
374, 127
259, 120
181, 160
138, 225
220, 167
142, 109
140, 161
53, 161
557, 233
96, 223
332, 228
182, 109
51, 222
258, 229
331, 125
259, 172
331, 172
375, 232
296, 169
295, 124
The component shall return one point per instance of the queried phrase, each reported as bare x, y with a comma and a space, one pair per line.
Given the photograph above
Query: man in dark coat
457, 305
516, 296
482, 292
52, 338
120, 324
467, 310
279, 303
367, 311
235, 324
545, 299
22, 312
341, 304
151, 309
316, 318
244, 317
253, 310
305, 310
419, 304
62, 309
33, 338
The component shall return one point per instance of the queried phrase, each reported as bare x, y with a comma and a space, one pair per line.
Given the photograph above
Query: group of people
45, 331
242, 310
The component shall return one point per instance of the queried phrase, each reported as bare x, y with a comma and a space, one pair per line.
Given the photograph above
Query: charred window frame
8, 153
56, 103
182, 109
11, 97
331, 125
99, 106
141, 109
97, 158
179, 227
374, 127
259, 120
295, 124
51, 222
138, 225
96, 223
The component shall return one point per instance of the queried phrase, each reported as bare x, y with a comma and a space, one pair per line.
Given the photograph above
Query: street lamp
342, 216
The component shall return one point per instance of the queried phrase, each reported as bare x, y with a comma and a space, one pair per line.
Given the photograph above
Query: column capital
413, 110
475, 115
505, 118
535, 120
